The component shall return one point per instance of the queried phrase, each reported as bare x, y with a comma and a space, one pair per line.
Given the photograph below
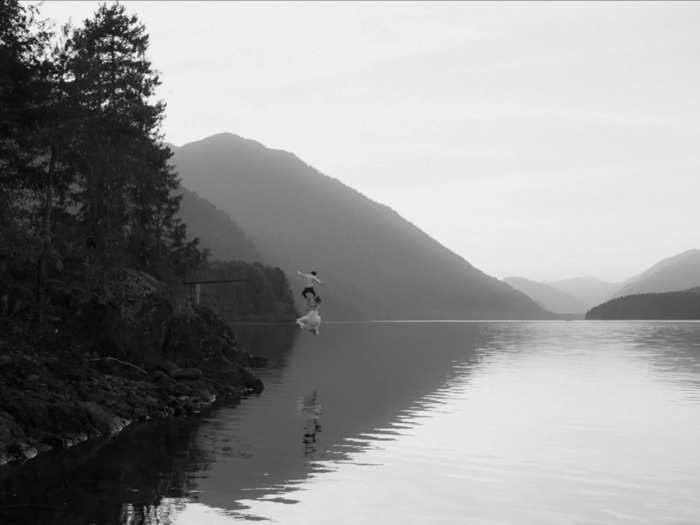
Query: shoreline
134, 355
56, 401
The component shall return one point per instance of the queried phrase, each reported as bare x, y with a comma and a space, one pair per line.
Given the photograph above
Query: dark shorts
308, 289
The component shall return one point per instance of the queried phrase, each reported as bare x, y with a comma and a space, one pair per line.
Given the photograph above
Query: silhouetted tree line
261, 294
668, 305
85, 179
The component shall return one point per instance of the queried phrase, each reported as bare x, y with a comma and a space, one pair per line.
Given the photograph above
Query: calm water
483, 423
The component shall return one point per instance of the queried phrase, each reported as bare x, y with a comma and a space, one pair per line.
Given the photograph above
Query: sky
544, 140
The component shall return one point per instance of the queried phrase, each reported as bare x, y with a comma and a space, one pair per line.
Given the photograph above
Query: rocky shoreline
55, 402
134, 356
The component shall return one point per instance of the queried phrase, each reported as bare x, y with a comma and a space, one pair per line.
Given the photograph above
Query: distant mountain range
548, 297
676, 273
375, 264
588, 290
667, 305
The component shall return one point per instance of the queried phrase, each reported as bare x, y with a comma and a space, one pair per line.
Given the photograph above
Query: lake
409, 423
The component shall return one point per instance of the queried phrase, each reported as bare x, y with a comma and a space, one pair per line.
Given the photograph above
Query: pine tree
35, 178
21, 97
84, 175
126, 187
106, 60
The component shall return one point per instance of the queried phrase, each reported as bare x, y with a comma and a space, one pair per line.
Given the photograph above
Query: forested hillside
95, 330
673, 274
668, 305
87, 182
376, 264
258, 293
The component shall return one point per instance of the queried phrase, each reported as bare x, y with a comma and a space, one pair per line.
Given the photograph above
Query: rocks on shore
124, 357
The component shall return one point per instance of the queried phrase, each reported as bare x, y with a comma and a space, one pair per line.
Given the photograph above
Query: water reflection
370, 375
495, 422
122, 480
585, 423
275, 342
310, 408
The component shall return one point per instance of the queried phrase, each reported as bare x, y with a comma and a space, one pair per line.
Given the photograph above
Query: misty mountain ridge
589, 290
215, 230
219, 233
376, 265
548, 297
677, 273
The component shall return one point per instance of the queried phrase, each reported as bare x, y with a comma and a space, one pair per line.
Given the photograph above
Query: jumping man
309, 289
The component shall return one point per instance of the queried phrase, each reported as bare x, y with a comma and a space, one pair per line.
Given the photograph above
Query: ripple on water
485, 423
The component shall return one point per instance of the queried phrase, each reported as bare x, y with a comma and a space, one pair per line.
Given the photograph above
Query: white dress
311, 322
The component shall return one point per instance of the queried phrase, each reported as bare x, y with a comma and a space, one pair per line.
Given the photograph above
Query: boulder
168, 367
22, 450
128, 319
103, 420
186, 373
202, 391
252, 383
122, 354
175, 388
258, 362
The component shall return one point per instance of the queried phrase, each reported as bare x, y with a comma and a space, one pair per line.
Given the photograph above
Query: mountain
264, 293
215, 229
589, 290
375, 264
548, 297
667, 305
676, 273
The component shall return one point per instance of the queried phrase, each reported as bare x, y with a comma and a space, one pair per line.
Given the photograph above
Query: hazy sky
544, 140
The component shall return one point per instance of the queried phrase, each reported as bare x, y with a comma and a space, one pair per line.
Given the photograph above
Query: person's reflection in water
310, 408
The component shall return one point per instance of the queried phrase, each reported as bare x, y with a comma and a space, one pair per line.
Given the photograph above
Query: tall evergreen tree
21, 96
126, 188
84, 176
32, 140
